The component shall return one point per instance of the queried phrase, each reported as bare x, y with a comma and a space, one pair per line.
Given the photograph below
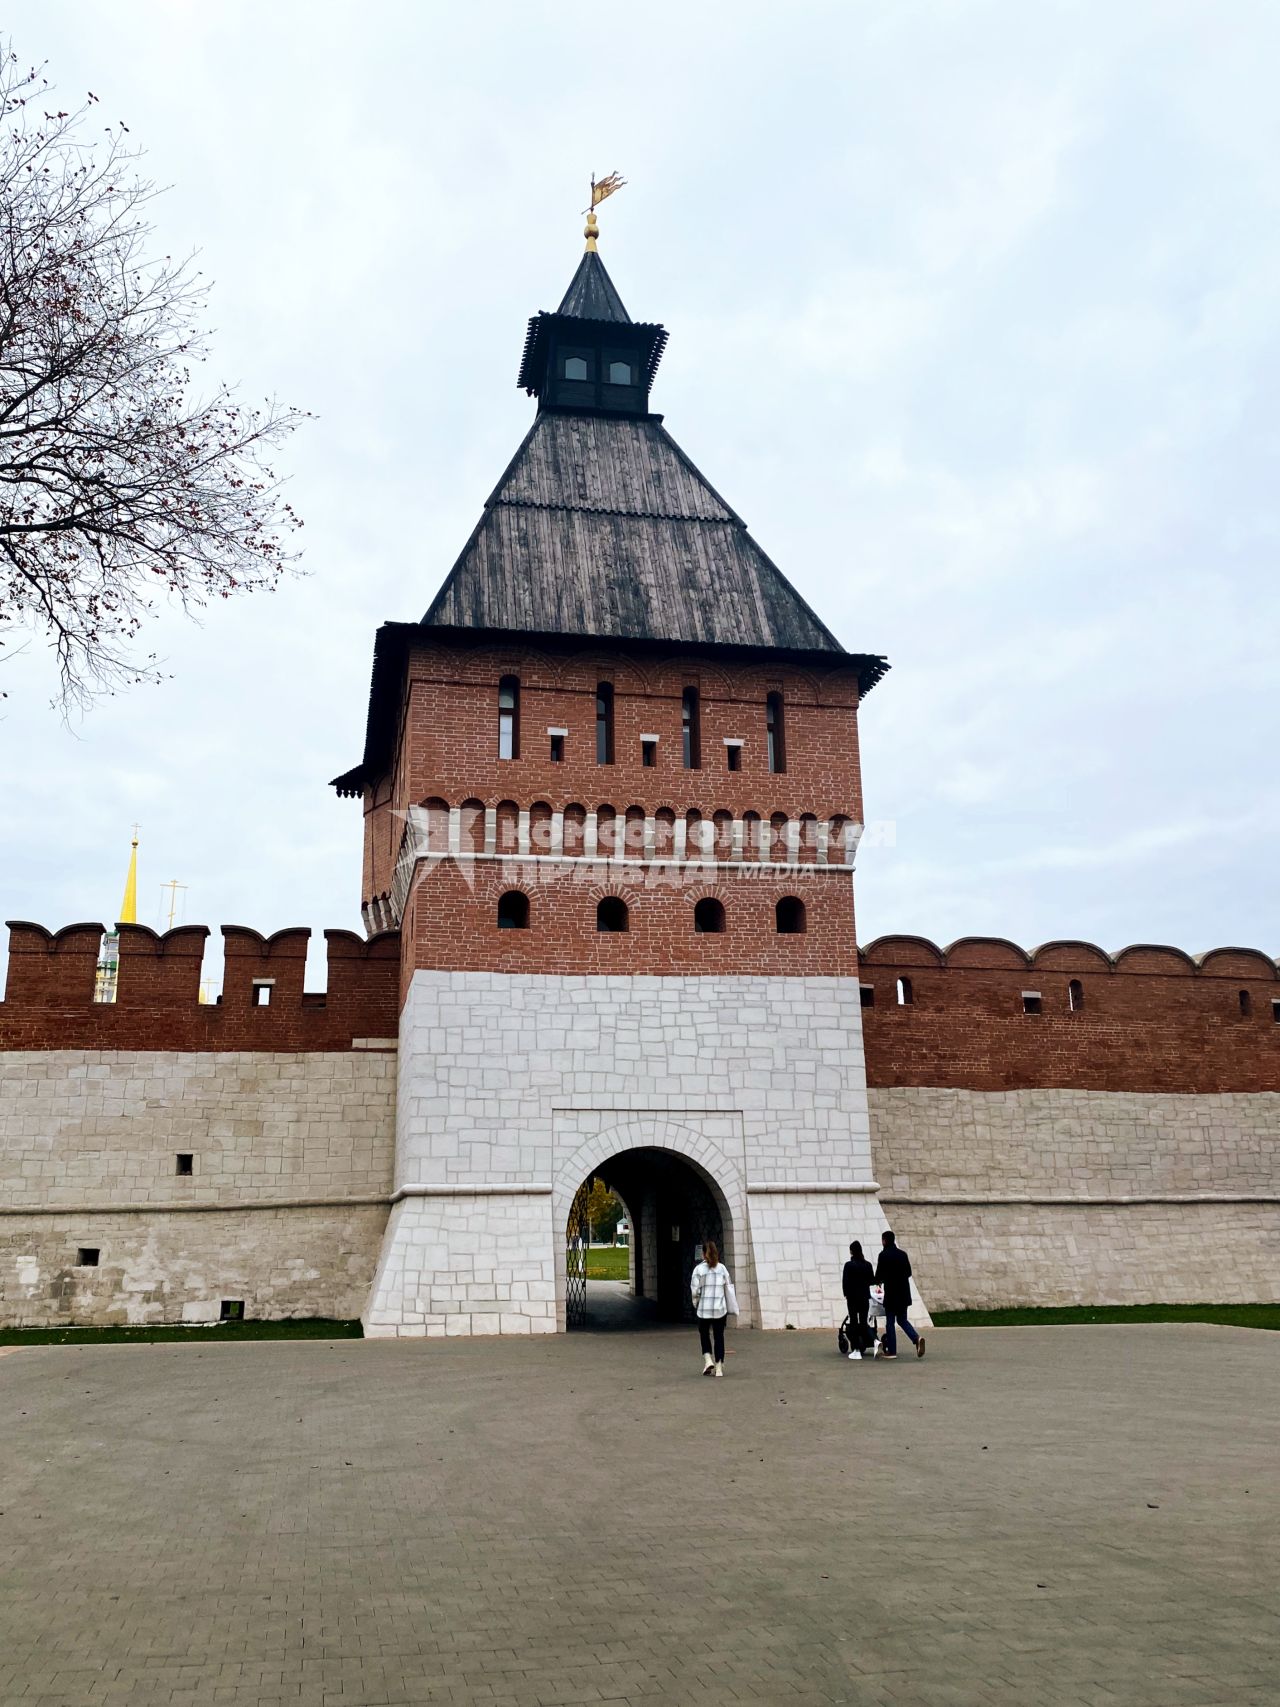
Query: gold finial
599, 191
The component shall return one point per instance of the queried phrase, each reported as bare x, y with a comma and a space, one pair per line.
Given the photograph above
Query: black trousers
861, 1337
709, 1327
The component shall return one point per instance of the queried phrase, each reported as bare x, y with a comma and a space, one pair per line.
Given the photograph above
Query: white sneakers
855, 1357
707, 1362
719, 1370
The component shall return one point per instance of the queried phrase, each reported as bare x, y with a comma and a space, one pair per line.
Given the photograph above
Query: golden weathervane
599, 191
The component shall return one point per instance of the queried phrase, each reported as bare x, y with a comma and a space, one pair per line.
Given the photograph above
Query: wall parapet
49, 997
984, 1014
995, 953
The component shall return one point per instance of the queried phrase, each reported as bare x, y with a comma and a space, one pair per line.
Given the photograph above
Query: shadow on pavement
612, 1309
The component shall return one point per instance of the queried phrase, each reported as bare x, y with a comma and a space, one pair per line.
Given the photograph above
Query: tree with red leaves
119, 484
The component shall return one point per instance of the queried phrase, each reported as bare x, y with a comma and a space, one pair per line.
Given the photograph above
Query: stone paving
1050, 1516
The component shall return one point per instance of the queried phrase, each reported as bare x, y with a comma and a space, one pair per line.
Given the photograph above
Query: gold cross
173, 887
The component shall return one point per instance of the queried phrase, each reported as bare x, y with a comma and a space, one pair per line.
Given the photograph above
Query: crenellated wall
1120, 1145
1149, 1018
49, 997
205, 1153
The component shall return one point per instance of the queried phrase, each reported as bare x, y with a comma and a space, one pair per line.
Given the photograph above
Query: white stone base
463, 1264
514, 1089
799, 1243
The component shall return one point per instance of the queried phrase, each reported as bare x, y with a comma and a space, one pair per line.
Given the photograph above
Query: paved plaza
1032, 1516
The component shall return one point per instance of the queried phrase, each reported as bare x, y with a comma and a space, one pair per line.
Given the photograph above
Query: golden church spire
129, 906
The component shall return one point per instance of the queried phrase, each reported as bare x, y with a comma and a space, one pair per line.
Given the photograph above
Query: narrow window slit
774, 733
691, 727
604, 723
509, 717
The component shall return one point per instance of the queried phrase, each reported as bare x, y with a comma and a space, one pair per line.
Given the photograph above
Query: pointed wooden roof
591, 294
592, 309
603, 527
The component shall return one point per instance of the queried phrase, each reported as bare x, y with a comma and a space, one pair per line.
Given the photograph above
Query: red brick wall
449, 742
1152, 1020
452, 926
49, 993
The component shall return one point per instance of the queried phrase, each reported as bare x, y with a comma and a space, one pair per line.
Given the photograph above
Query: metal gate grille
577, 1239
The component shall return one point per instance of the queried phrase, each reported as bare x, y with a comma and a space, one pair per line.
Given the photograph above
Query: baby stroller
875, 1328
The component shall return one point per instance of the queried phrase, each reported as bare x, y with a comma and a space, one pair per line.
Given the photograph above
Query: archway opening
671, 1205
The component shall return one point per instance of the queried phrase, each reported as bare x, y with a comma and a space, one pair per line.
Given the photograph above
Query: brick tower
611, 797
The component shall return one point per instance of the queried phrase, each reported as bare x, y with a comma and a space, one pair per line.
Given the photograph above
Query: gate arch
716, 1171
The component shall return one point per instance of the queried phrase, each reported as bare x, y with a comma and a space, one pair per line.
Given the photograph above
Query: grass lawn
1225, 1315
309, 1329
608, 1263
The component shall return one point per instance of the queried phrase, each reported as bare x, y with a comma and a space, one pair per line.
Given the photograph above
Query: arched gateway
679, 1189
611, 787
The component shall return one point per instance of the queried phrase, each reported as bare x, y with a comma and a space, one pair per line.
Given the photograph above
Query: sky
973, 317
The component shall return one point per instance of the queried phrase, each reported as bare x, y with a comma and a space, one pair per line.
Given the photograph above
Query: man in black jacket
856, 1285
893, 1272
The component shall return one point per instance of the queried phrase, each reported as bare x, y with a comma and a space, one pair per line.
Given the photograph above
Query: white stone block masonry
514, 1089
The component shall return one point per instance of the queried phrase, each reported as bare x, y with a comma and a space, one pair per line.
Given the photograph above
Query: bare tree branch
119, 484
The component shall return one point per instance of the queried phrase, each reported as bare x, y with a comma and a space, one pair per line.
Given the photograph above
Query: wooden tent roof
603, 527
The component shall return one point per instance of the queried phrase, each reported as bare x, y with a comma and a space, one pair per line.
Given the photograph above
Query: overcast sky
973, 316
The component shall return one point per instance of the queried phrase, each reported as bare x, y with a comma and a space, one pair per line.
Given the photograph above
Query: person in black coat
893, 1272
856, 1284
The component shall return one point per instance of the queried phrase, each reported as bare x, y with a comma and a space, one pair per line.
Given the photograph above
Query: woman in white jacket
714, 1300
